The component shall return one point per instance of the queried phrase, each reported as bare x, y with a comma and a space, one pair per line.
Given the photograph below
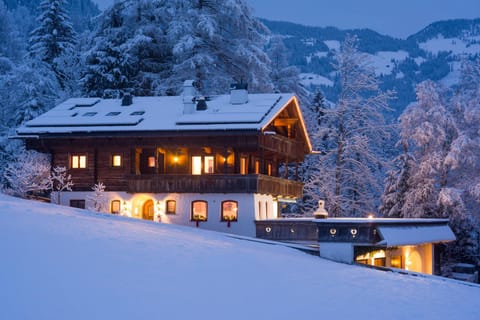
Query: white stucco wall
250, 207
341, 252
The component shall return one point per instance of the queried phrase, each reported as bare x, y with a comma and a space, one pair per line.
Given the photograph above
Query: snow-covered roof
382, 221
414, 234
164, 113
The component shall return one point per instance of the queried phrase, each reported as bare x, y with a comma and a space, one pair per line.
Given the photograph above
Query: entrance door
148, 211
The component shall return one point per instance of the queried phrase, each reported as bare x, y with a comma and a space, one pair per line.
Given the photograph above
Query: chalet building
211, 162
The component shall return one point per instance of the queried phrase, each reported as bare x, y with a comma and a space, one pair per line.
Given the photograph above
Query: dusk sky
399, 18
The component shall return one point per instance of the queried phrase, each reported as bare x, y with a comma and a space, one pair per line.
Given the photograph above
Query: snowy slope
65, 263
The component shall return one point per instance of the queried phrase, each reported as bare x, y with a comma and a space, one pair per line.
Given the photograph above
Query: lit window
113, 113
171, 206
77, 203
229, 210
199, 210
116, 160
196, 165
243, 165
137, 113
78, 161
257, 167
115, 207
89, 114
209, 164
269, 169
151, 162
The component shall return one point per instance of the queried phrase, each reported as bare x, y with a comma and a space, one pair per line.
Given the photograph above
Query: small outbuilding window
76, 203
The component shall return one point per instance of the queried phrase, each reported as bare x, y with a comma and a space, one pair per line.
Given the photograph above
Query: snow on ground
308, 79
332, 44
384, 61
66, 263
454, 45
453, 76
318, 54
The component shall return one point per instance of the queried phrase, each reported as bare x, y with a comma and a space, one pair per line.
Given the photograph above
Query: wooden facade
243, 161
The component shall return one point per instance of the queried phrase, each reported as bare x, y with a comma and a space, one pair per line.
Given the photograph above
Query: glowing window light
79, 161
209, 164
196, 165
117, 160
151, 162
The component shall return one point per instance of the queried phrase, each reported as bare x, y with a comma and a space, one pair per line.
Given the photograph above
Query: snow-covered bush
98, 200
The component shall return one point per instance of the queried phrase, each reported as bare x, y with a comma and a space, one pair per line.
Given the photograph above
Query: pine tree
311, 168
54, 39
285, 78
396, 183
217, 42
429, 127
354, 133
129, 51
9, 36
442, 131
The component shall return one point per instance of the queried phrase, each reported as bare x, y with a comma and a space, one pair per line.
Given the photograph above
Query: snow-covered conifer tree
9, 37
429, 127
129, 51
216, 42
27, 91
54, 39
442, 132
396, 183
354, 133
285, 78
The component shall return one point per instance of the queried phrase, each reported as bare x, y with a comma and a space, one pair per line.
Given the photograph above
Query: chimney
238, 93
201, 104
188, 96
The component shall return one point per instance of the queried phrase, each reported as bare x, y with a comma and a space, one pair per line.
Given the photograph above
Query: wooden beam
284, 122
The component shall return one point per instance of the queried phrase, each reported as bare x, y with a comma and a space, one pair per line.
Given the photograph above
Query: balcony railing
213, 183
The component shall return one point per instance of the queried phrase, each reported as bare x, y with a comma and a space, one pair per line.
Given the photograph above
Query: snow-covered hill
65, 263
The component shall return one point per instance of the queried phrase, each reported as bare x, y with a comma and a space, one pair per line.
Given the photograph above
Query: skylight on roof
89, 114
137, 113
113, 113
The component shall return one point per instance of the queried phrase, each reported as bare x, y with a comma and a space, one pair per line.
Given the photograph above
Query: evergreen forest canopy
397, 162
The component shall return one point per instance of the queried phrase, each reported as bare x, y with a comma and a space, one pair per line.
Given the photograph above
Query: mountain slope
433, 53
65, 263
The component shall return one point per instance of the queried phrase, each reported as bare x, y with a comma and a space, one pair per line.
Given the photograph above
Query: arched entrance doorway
148, 210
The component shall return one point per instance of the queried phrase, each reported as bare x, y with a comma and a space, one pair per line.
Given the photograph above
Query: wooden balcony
282, 146
213, 183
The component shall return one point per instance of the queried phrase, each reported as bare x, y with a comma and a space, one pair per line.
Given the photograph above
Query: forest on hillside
418, 164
